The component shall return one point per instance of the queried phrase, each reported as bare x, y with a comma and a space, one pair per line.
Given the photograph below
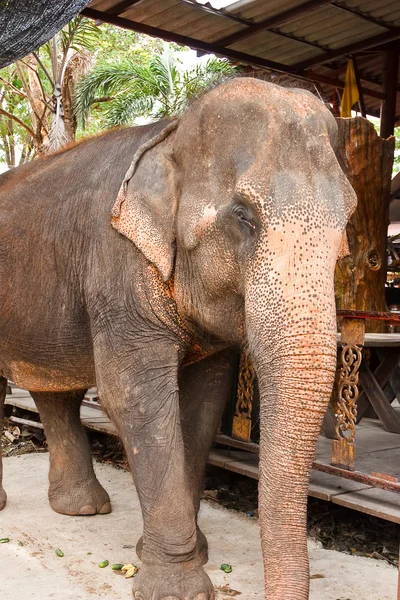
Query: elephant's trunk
291, 330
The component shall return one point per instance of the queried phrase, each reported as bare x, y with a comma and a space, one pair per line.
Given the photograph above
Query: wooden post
390, 78
347, 390
360, 277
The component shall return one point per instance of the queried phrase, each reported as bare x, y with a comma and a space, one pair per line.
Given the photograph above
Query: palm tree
158, 89
36, 93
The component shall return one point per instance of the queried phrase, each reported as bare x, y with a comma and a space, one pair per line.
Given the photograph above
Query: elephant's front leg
205, 388
143, 402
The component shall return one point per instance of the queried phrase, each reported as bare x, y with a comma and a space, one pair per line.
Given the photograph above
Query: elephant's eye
242, 214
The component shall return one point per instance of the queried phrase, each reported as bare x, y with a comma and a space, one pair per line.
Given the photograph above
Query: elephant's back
53, 212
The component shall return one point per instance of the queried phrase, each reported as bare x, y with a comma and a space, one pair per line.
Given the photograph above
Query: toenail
87, 510
105, 509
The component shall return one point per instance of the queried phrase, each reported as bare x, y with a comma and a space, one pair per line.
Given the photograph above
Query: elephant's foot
71, 497
3, 498
184, 581
202, 547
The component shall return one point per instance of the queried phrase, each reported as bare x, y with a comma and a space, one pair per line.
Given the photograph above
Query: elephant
140, 261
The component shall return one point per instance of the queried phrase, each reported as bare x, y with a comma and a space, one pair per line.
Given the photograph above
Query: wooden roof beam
184, 40
122, 6
274, 21
394, 34
213, 48
222, 12
338, 83
368, 77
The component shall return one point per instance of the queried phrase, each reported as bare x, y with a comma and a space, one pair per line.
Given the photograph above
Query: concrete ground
33, 571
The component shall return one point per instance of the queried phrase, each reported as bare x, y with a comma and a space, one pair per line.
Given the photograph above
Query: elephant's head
245, 202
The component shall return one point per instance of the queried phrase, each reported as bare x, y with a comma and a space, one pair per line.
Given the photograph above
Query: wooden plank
380, 461
324, 486
372, 501
382, 407
27, 422
25, 402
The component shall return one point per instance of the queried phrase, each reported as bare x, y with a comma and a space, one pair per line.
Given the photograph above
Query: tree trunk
68, 90
34, 91
360, 277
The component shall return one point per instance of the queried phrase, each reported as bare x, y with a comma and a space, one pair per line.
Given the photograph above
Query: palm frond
165, 71
206, 75
111, 79
125, 108
79, 33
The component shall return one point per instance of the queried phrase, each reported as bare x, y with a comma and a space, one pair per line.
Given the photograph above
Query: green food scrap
226, 568
104, 564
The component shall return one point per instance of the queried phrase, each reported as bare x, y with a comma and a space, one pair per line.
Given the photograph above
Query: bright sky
218, 3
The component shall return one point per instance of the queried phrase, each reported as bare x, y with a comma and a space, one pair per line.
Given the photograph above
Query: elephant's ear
145, 208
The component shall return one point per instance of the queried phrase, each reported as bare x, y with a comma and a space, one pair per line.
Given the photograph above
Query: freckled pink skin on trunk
292, 334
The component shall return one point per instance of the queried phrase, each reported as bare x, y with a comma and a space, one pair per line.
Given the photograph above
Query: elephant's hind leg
3, 389
74, 489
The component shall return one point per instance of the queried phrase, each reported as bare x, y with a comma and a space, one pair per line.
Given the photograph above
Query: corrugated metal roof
291, 35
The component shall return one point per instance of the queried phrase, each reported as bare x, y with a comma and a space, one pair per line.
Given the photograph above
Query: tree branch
15, 89
45, 71
103, 99
17, 120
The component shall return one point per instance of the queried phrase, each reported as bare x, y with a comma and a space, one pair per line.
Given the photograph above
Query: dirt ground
33, 570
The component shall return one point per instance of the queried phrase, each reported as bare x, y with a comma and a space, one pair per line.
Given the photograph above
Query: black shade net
27, 24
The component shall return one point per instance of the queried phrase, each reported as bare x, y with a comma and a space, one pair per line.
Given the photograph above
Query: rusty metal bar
368, 314
379, 482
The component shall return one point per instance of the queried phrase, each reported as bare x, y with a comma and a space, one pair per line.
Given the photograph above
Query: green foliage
396, 163
79, 33
29, 121
155, 88
15, 140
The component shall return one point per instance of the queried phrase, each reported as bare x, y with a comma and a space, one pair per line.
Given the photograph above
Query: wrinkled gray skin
231, 227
